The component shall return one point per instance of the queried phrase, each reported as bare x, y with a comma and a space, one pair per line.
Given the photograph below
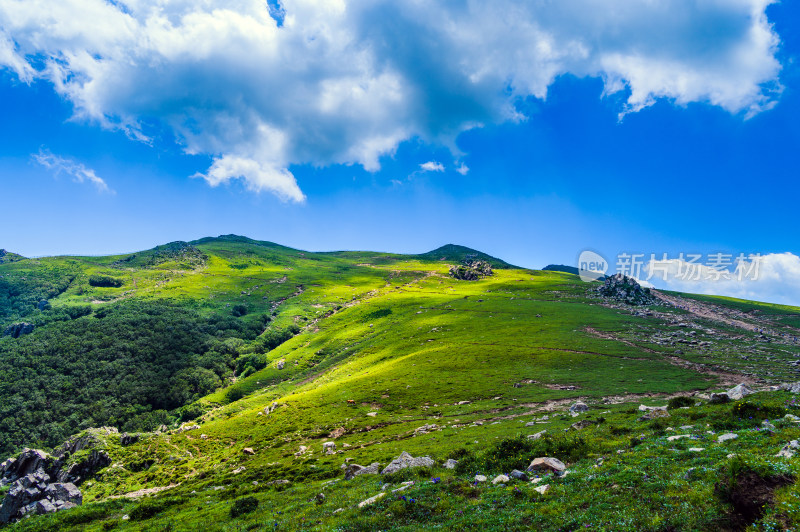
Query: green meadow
273, 350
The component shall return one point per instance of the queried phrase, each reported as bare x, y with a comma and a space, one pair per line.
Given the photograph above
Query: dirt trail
704, 311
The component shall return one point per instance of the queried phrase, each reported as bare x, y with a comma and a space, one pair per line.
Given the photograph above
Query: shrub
234, 394
244, 506
757, 411
105, 281
680, 402
239, 310
147, 509
191, 412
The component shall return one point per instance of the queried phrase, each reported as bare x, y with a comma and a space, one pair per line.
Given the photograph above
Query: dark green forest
126, 365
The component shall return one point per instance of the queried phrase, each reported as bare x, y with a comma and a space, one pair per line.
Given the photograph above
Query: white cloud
774, 278
432, 166
79, 173
345, 81
462, 169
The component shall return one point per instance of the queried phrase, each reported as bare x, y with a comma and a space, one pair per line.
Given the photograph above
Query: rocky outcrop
44, 483
15, 330
33, 494
471, 270
627, 290
406, 460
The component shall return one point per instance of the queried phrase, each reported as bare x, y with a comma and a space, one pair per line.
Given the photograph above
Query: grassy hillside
285, 349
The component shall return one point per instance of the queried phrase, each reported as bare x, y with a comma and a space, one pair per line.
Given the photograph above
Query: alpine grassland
221, 367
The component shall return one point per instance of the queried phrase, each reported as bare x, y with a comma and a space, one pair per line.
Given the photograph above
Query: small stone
450, 464
542, 489
480, 478
725, 437
248, 450
518, 475
500, 479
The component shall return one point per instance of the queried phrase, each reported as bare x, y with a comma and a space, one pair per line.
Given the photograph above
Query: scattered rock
728, 436
320, 498
579, 406
404, 486
329, 447
536, 436
793, 387
248, 450
582, 424
654, 414
371, 500
542, 489
500, 479
678, 437
354, 470
302, 450
519, 475
480, 478
406, 460
280, 364
645, 408
739, 391
450, 464
789, 450
547, 464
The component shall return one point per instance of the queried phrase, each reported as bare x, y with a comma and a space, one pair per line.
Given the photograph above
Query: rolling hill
231, 363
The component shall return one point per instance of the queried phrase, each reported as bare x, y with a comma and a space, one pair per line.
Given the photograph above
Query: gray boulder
519, 475
789, 450
66, 492
739, 391
45, 507
354, 470
450, 464
406, 460
547, 464
579, 406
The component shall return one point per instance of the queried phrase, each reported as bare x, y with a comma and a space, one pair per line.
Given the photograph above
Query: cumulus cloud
261, 86
774, 277
462, 169
79, 172
432, 166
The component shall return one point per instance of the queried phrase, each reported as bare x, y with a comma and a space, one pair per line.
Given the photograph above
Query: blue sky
676, 132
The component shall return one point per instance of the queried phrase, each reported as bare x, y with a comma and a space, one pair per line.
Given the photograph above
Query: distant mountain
456, 253
561, 268
7, 256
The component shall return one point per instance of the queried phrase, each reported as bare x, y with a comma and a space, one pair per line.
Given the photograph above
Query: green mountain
231, 363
